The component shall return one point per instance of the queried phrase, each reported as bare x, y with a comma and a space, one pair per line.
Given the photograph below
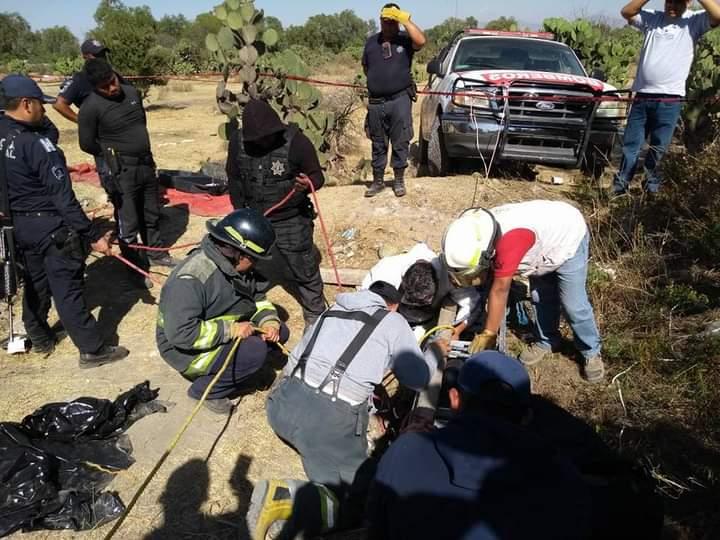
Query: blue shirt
37, 177
479, 478
388, 66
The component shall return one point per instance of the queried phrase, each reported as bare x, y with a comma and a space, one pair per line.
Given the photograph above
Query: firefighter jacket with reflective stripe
202, 297
266, 180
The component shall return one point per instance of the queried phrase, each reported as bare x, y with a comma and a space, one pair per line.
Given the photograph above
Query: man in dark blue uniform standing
387, 60
51, 229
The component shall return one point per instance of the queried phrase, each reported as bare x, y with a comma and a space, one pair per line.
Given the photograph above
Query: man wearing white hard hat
546, 241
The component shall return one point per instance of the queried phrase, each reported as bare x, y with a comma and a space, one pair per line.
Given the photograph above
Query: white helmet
469, 243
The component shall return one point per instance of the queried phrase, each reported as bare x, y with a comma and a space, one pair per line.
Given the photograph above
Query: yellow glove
395, 14
483, 341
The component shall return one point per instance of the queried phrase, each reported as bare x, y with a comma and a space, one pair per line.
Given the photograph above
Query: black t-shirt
118, 123
388, 67
78, 88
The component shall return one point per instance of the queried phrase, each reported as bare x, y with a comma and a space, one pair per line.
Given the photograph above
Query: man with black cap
214, 297
76, 91
51, 229
484, 476
78, 88
267, 161
112, 123
387, 61
321, 405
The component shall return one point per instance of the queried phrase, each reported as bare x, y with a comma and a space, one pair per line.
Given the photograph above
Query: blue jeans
565, 290
655, 120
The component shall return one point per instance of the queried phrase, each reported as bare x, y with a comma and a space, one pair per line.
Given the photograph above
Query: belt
126, 159
376, 100
35, 214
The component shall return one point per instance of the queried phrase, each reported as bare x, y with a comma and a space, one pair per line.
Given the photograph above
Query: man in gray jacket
321, 406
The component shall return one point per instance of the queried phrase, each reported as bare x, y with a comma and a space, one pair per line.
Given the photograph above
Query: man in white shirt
663, 69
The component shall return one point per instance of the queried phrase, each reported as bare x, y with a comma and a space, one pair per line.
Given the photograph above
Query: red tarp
199, 204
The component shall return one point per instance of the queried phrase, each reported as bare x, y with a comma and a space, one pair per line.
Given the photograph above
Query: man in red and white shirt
546, 241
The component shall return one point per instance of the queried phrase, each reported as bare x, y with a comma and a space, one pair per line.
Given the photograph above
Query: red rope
284, 200
148, 248
136, 268
305, 180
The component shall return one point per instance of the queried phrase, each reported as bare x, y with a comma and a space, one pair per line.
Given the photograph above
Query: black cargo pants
295, 265
54, 269
137, 210
390, 121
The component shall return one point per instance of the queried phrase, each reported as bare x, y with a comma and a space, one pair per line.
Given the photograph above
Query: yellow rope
176, 439
435, 329
174, 442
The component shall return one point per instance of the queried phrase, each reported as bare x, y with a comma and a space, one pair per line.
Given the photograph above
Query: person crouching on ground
215, 297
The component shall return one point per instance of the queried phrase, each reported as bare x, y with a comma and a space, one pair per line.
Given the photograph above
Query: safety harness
370, 323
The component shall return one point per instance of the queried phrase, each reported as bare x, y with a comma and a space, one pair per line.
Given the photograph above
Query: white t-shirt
668, 51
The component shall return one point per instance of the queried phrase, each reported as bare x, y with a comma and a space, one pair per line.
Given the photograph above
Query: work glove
270, 331
240, 330
395, 14
483, 341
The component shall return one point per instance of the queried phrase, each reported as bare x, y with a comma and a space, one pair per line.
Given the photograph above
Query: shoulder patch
47, 145
199, 266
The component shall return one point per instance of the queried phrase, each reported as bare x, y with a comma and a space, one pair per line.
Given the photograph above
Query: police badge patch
400, 49
277, 168
58, 173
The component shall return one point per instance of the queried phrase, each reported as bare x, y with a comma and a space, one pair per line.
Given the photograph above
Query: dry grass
668, 377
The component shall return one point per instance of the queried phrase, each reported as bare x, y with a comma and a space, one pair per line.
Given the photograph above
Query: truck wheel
423, 150
438, 160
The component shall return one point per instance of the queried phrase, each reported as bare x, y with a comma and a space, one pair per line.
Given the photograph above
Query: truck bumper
465, 137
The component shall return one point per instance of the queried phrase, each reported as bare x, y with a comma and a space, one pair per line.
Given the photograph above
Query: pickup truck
517, 96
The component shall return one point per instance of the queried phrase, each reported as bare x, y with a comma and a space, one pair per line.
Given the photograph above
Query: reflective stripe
328, 507
208, 331
247, 243
160, 319
201, 364
263, 304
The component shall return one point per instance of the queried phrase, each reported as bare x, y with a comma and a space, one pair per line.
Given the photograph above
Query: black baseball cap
92, 46
19, 86
386, 291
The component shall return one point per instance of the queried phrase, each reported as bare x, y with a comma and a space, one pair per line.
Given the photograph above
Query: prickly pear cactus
243, 47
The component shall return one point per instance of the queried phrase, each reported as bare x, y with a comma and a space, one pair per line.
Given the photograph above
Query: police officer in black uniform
265, 158
112, 123
51, 230
76, 91
387, 60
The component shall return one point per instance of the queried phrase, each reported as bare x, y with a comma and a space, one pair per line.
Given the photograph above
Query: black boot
378, 184
398, 185
106, 355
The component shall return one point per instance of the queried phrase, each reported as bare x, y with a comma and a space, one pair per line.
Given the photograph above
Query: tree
508, 24
128, 32
331, 32
173, 25
439, 36
16, 38
55, 43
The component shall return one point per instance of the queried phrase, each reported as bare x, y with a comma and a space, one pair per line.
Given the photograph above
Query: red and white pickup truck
516, 96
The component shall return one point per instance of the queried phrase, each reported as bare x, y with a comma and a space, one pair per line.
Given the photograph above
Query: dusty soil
198, 495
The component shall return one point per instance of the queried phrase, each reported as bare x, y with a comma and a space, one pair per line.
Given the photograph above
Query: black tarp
55, 464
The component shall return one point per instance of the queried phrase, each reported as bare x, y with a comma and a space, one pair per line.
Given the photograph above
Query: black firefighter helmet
245, 229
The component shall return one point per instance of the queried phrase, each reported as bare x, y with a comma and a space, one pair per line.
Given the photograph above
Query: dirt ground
204, 488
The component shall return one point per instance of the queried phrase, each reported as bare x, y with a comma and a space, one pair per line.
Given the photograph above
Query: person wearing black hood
265, 161
112, 123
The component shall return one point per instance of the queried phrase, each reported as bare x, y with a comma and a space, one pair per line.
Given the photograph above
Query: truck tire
438, 160
595, 162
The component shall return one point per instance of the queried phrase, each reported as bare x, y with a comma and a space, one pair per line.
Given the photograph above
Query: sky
78, 14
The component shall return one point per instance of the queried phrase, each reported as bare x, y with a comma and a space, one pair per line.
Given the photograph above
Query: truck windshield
515, 54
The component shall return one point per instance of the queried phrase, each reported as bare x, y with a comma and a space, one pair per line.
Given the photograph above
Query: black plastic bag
56, 462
